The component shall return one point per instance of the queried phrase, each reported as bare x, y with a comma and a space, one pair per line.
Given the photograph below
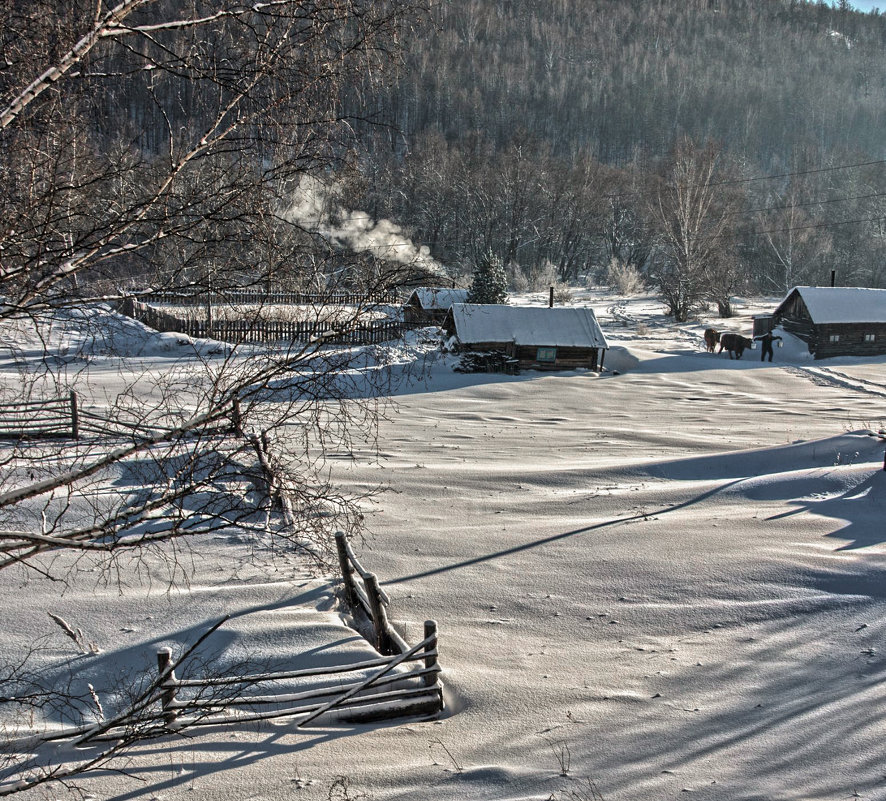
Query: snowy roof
564, 326
842, 304
438, 297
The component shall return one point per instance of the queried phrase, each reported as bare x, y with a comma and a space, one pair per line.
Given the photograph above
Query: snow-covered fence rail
365, 597
387, 689
254, 297
117, 425
375, 689
267, 331
36, 419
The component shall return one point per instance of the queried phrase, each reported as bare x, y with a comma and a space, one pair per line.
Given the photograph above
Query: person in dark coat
766, 339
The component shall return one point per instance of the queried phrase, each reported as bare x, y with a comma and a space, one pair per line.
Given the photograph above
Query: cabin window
546, 355
870, 337
834, 338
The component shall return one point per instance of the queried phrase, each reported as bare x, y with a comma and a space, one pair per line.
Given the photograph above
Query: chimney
551, 298
833, 278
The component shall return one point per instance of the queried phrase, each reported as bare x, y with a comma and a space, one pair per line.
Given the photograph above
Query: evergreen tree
490, 281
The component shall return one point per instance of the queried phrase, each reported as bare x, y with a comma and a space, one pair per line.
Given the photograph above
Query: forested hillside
703, 146
546, 131
624, 77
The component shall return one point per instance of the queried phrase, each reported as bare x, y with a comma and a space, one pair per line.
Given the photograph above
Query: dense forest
704, 147
554, 133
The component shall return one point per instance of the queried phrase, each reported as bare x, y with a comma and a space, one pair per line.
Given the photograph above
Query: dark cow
711, 338
735, 344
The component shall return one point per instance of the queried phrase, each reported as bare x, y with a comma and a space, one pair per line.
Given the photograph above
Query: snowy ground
665, 581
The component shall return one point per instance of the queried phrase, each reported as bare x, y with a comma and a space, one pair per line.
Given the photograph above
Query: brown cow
711, 338
735, 344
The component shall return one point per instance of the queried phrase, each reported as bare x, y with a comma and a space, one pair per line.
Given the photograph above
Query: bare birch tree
157, 145
695, 228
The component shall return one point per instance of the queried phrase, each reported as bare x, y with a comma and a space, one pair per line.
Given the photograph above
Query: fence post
75, 417
379, 616
344, 564
431, 661
167, 696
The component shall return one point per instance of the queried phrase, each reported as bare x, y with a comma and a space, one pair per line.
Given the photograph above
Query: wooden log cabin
430, 305
561, 338
835, 321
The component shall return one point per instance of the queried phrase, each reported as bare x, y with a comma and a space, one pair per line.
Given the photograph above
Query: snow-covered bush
624, 278
519, 281
562, 292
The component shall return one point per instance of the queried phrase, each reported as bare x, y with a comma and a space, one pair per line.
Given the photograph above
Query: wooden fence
261, 298
364, 596
267, 331
390, 690
40, 419
357, 692
67, 418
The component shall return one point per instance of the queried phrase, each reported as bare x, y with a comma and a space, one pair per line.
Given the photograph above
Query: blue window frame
546, 355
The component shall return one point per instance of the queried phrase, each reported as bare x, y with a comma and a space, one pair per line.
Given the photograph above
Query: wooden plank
432, 698
426, 675
336, 701
303, 673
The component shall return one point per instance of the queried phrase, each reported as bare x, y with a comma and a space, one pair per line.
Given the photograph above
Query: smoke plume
316, 206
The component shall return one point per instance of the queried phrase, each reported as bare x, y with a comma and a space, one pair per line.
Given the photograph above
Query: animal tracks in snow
829, 377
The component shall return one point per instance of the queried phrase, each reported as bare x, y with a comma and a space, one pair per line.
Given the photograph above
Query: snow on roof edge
438, 297
560, 326
841, 304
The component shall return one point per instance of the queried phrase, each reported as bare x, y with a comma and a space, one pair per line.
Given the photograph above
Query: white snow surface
565, 326
668, 580
844, 304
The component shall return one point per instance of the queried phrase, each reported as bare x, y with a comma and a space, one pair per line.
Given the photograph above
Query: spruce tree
490, 282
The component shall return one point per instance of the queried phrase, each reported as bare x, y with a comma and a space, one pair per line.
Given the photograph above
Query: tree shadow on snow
820, 702
861, 508
527, 546
257, 638
182, 762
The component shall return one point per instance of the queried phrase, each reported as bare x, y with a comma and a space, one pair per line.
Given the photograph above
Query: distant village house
538, 338
430, 305
834, 321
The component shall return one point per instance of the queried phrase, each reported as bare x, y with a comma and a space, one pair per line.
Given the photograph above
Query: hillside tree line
552, 134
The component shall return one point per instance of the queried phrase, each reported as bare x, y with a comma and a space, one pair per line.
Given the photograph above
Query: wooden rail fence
267, 331
364, 595
67, 418
388, 690
38, 419
387, 687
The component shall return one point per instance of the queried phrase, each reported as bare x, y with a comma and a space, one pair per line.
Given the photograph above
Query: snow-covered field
667, 579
